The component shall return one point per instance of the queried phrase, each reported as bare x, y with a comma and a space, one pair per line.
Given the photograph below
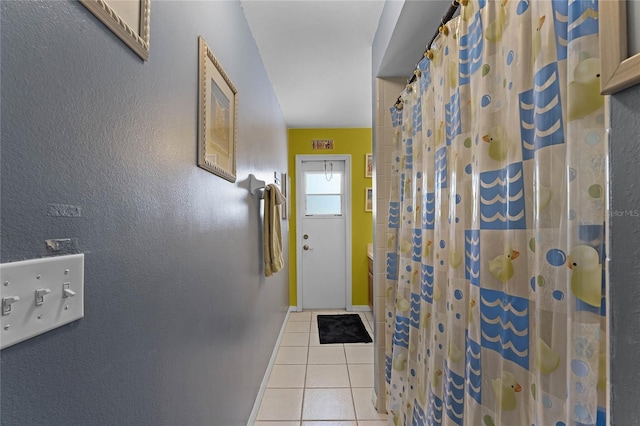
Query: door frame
347, 212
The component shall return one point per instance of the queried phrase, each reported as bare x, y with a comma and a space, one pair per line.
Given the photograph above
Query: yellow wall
356, 142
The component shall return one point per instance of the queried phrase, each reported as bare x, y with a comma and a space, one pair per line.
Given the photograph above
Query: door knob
305, 247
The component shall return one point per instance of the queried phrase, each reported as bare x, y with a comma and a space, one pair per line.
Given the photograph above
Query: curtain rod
455, 4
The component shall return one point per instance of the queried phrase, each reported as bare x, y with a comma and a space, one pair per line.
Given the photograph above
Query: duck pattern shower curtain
496, 234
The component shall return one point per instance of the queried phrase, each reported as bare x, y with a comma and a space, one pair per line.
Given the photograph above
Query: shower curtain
495, 306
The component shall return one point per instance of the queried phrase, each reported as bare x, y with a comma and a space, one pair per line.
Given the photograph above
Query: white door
323, 232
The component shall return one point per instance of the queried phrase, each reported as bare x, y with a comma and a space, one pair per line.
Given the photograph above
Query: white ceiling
318, 57
318, 53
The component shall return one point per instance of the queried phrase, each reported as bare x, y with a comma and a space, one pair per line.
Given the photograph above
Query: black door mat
342, 329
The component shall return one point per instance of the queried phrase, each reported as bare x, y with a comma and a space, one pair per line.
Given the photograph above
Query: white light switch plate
25, 280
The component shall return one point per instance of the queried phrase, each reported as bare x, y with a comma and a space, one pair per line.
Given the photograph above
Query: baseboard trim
361, 308
267, 373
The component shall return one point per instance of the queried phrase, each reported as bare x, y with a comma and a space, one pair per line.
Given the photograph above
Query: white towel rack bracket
255, 184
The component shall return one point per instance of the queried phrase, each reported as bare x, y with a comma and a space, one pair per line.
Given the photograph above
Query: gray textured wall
179, 322
625, 257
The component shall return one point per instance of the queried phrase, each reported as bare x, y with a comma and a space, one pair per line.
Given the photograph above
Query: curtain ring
444, 30
417, 73
429, 54
398, 104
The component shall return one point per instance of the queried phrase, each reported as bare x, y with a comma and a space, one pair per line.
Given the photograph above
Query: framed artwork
619, 69
127, 19
217, 116
368, 161
368, 199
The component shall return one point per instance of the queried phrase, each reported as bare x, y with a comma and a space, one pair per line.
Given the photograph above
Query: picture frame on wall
368, 199
620, 68
368, 163
217, 116
127, 19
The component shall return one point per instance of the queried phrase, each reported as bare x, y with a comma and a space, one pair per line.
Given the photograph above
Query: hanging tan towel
273, 260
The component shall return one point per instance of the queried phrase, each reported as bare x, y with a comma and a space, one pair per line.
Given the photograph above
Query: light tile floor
320, 385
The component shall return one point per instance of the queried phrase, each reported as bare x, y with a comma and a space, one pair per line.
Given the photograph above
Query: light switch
39, 295
7, 302
66, 290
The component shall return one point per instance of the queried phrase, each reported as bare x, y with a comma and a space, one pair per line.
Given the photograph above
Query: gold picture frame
368, 165
129, 20
217, 116
618, 69
368, 199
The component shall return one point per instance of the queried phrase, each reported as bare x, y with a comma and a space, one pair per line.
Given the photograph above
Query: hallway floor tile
320, 385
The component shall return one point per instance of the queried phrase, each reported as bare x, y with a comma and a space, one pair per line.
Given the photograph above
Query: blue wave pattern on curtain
495, 243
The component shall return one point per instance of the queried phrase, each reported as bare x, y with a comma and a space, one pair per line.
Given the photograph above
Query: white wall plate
39, 295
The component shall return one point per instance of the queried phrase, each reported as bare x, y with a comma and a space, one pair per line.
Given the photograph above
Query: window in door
324, 192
